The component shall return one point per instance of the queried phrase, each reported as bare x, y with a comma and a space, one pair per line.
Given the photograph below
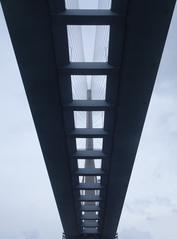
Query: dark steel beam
90, 231
89, 208
90, 223
87, 17
88, 68
89, 154
89, 198
90, 172
88, 133
89, 186
88, 105
91, 216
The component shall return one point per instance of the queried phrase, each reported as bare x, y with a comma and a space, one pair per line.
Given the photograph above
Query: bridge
89, 198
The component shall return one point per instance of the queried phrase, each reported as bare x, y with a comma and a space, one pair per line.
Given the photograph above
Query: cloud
133, 233
33, 234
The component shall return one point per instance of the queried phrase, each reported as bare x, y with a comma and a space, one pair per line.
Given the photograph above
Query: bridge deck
137, 36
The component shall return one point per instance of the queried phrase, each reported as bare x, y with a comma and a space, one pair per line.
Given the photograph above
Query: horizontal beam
88, 133
87, 17
89, 216
88, 68
90, 231
89, 154
89, 208
89, 198
88, 105
89, 186
90, 223
90, 172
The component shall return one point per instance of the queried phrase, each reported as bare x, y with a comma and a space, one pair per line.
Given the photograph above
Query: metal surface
87, 17
90, 224
91, 216
94, 198
88, 133
89, 208
88, 105
90, 171
89, 154
88, 68
89, 186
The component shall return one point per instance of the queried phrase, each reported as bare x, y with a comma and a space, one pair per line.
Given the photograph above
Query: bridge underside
138, 31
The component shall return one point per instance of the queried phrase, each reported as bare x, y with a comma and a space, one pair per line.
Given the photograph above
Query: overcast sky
27, 206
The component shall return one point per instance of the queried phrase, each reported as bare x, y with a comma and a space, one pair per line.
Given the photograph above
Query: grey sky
27, 206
